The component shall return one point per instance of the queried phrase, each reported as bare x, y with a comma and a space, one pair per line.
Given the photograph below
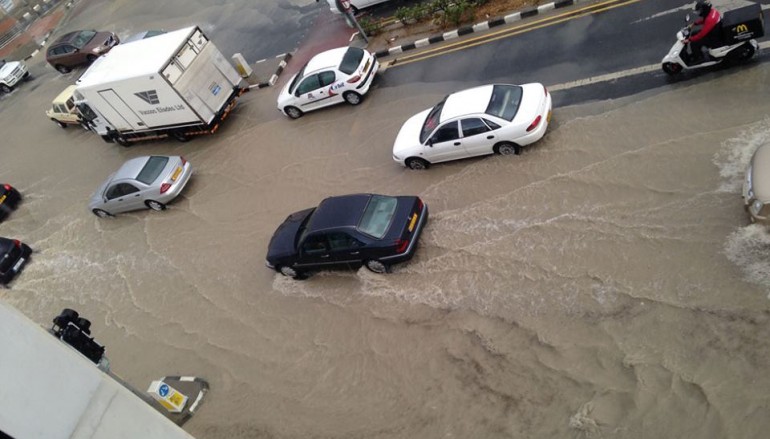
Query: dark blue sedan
9, 199
346, 232
14, 254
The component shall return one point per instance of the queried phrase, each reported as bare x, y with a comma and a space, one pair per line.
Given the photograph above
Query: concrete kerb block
264, 66
478, 27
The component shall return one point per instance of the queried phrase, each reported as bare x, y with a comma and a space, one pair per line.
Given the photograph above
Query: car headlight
756, 207
97, 49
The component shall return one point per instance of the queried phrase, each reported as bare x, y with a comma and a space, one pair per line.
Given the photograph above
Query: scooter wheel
672, 68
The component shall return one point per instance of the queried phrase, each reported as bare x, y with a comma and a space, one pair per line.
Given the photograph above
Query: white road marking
721, 5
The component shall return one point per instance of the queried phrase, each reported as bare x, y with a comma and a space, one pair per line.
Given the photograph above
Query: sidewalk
28, 42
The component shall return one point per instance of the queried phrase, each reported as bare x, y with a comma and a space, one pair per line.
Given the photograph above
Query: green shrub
370, 26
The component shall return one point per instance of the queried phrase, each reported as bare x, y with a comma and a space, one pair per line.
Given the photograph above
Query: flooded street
605, 283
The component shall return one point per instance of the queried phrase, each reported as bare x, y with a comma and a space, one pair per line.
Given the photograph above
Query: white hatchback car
355, 5
497, 118
337, 75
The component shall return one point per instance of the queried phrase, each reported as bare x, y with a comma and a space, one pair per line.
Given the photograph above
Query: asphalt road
614, 40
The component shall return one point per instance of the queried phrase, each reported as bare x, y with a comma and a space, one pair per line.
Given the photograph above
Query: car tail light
534, 124
7, 187
354, 79
165, 187
17, 243
184, 162
419, 204
401, 245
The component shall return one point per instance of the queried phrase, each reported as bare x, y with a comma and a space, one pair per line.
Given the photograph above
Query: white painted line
604, 78
195, 404
350, 40
190, 379
262, 60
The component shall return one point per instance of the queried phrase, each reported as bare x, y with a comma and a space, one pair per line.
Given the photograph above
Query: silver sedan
144, 182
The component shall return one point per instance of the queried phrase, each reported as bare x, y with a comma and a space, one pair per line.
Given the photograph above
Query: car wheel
291, 272
507, 148
63, 69
376, 266
4, 88
70, 314
293, 112
91, 58
672, 68
179, 136
84, 325
101, 213
352, 97
155, 205
60, 123
416, 163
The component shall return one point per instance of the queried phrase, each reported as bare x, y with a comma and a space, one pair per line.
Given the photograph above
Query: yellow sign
741, 28
2, 199
176, 174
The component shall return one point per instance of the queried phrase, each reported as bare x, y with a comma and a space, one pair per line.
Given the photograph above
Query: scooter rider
699, 42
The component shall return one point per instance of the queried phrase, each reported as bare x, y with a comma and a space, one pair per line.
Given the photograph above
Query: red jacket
709, 23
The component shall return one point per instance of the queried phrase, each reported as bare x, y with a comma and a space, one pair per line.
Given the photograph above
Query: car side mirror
687, 18
430, 143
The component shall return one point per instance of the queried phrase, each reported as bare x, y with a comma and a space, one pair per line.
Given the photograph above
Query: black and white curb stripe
281, 65
39, 46
485, 25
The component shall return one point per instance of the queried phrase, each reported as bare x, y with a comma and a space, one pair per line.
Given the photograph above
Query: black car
346, 232
9, 199
13, 255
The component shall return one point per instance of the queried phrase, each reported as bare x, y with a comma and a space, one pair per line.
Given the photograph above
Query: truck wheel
62, 69
120, 140
155, 205
179, 136
4, 88
293, 112
60, 123
352, 97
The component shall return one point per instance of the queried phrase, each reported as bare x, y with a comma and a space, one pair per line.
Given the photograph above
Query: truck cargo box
743, 24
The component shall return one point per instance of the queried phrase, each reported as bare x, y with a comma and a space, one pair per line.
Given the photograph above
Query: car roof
341, 211
62, 97
131, 168
324, 60
472, 100
70, 36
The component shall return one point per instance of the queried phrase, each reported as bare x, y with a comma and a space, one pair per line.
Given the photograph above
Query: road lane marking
506, 33
618, 75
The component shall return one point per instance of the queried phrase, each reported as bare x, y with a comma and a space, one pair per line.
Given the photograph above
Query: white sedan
498, 118
337, 75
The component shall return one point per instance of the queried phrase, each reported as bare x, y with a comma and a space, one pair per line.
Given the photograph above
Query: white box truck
176, 84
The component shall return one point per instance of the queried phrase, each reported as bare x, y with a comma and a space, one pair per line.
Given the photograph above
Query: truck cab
63, 111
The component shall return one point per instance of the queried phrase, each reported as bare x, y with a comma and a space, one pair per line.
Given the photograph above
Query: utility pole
344, 7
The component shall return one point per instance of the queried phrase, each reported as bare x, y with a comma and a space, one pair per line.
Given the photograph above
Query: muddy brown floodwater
605, 283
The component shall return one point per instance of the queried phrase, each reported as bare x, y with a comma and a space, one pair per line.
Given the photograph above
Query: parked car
498, 118
756, 186
332, 77
63, 110
79, 47
9, 200
355, 5
14, 254
144, 182
11, 73
346, 232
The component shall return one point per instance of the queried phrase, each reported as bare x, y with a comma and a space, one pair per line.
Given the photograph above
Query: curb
484, 25
281, 65
39, 46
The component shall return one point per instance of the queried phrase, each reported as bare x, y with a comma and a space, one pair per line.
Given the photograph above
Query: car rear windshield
351, 60
431, 122
152, 169
378, 215
82, 38
505, 101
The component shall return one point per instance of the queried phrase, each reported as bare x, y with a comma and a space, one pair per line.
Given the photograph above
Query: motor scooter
679, 57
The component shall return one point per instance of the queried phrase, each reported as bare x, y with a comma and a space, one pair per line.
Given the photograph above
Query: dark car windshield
82, 38
152, 169
303, 229
296, 79
431, 122
351, 60
378, 215
505, 101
